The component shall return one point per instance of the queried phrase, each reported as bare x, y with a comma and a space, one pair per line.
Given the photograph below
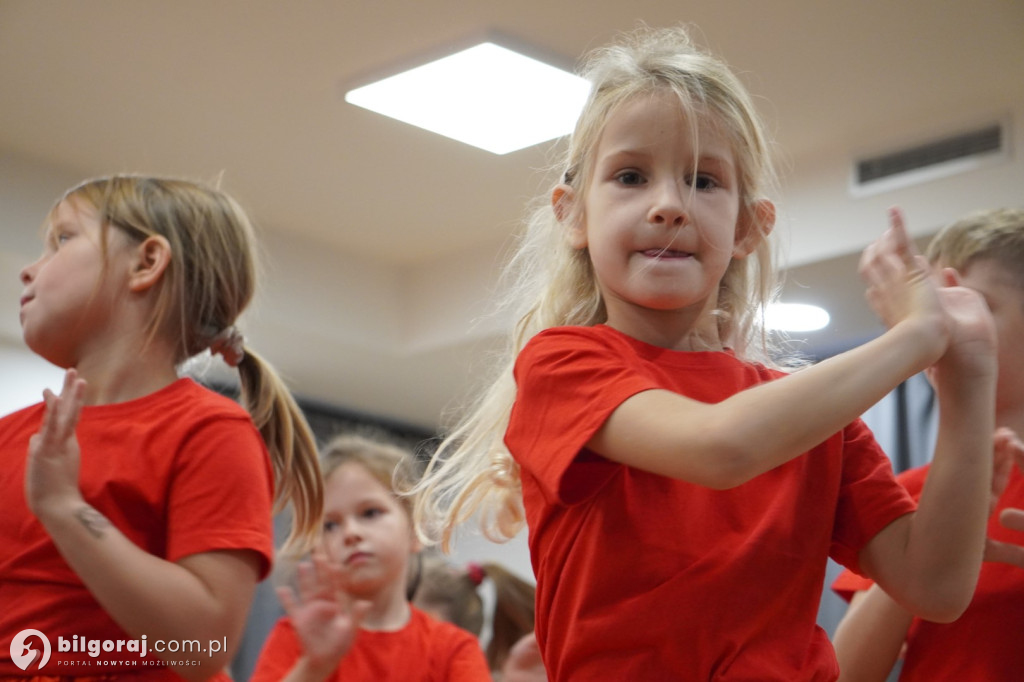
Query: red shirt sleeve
222, 493
849, 582
568, 376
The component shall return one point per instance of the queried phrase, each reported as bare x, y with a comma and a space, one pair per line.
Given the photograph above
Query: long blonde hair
551, 284
209, 282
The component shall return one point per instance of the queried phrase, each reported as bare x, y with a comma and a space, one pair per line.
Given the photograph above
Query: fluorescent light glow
795, 317
486, 96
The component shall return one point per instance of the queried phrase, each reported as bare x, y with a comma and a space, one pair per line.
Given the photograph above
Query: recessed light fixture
487, 96
795, 317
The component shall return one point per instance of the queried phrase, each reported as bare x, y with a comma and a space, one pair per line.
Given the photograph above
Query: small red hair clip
475, 572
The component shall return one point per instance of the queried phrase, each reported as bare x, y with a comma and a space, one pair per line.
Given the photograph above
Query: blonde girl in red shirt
350, 619
681, 496
137, 504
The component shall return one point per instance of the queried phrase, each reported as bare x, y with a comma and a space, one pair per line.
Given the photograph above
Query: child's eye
629, 178
372, 512
57, 239
703, 182
330, 526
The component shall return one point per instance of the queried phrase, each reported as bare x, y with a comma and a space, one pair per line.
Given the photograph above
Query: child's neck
389, 610
672, 330
122, 374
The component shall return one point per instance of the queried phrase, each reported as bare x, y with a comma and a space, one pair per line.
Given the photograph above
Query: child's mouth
666, 253
357, 558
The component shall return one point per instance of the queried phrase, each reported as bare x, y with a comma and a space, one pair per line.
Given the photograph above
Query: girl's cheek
330, 546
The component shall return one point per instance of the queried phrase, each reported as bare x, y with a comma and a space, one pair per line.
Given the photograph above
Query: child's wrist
927, 339
967, 369
56, 510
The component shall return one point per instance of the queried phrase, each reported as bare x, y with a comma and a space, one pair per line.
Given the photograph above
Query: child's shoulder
190, 394
578, 336
182, 402
437, 630
27, 418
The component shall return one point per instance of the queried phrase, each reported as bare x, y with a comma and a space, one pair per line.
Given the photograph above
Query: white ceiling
382, 239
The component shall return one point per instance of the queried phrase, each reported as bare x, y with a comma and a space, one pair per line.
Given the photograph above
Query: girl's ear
753, 226
152, 257
562, 199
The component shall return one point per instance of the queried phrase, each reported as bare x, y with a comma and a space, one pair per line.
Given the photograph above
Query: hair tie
475, 572
230, 345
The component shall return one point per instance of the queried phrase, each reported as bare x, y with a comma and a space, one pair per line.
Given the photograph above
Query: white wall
25, 376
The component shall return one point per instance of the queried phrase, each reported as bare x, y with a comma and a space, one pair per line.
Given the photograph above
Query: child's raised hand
972, 342
1009, 450
900, 286
325, 618
51, 469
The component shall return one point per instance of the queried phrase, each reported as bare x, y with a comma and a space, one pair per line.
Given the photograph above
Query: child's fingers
1004, 553
896, 221
902, 243
46, 426
287, 598
1012, 519
70, 401
305, 581
60, 418
71, 398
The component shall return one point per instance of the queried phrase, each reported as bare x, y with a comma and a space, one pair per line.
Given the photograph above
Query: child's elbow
730, 467
943, 605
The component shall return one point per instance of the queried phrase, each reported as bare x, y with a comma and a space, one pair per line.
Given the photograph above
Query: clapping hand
51, 469
1009, 451
325, 618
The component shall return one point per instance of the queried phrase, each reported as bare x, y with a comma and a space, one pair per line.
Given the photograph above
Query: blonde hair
210, 280
552, 284
455, 592
393, 466
996, 234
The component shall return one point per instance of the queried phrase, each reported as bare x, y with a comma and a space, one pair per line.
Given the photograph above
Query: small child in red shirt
987, 249
351, 619
136, 502
682, 495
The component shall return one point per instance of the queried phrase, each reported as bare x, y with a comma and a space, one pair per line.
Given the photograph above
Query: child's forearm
929, 561
204, 597
725, 444
777, 421
870, 636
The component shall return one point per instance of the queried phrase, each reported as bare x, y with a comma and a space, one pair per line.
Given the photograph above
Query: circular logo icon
23, 654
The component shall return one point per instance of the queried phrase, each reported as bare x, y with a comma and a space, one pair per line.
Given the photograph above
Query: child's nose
669, 207
352, 532
28, 273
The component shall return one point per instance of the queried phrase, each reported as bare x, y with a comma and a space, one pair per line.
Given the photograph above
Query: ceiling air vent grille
939, 158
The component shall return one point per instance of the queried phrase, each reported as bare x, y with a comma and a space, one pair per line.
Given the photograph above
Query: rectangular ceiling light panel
486, 96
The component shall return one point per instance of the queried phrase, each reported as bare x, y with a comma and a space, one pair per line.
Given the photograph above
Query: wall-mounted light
795, 317
487, 96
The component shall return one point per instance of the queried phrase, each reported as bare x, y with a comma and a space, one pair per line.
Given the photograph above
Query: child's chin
363, 588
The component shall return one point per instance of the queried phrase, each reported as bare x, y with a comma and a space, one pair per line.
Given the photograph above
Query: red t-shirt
179, 472
642, 577
987, 642
425, 650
